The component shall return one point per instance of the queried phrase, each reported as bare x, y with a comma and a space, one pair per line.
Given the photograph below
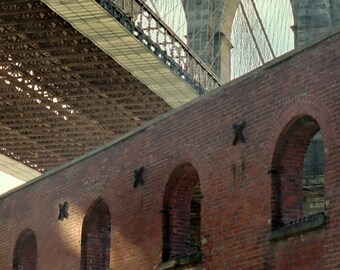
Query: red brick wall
307, 257
237, 204
177, 208
95, 239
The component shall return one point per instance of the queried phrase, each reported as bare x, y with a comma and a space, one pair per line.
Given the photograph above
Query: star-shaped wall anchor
238, 131
138, 174
63, 208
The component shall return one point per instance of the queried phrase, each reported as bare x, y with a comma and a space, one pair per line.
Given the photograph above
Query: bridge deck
61, 95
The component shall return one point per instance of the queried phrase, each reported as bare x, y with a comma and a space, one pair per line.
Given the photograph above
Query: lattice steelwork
197, 24
141, 20
60, 95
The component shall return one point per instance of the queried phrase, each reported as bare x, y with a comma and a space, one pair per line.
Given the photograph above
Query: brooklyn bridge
77, 74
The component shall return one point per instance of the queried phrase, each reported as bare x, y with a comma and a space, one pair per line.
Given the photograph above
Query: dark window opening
96, 238
195, 218
314, 177
298, 173
182, 214
25, 252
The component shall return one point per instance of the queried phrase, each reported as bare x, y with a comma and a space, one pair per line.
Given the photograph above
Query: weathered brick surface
95, 239
236, 207
177, 207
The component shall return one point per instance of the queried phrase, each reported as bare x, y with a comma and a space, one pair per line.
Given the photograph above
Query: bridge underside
60, 94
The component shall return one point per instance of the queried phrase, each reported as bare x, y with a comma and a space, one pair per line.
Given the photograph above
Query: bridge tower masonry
205, 37
313, 18
210, 22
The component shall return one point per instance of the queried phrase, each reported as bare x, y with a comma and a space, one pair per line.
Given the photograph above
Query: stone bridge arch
310, 20
221, 24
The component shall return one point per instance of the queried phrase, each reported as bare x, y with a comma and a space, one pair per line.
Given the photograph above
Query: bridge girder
61, 96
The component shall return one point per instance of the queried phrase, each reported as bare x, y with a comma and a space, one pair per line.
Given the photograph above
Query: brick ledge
186, 260
299, 227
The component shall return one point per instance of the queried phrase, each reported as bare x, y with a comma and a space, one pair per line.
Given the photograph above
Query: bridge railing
145, 25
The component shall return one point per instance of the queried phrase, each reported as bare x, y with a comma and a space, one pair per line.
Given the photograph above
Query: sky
277, 19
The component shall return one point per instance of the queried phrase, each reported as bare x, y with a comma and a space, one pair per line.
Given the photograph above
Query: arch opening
25, 252
298, 173
182, 214
96, 237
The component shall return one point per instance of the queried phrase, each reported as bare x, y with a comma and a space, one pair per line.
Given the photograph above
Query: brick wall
237, 191
95, 239
178, 233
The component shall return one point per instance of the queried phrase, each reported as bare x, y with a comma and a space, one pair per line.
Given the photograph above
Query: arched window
96, 237
25, 252
298, 173
182, 214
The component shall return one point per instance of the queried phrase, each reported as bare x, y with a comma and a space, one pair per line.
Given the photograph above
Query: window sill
188, 260
304, 225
